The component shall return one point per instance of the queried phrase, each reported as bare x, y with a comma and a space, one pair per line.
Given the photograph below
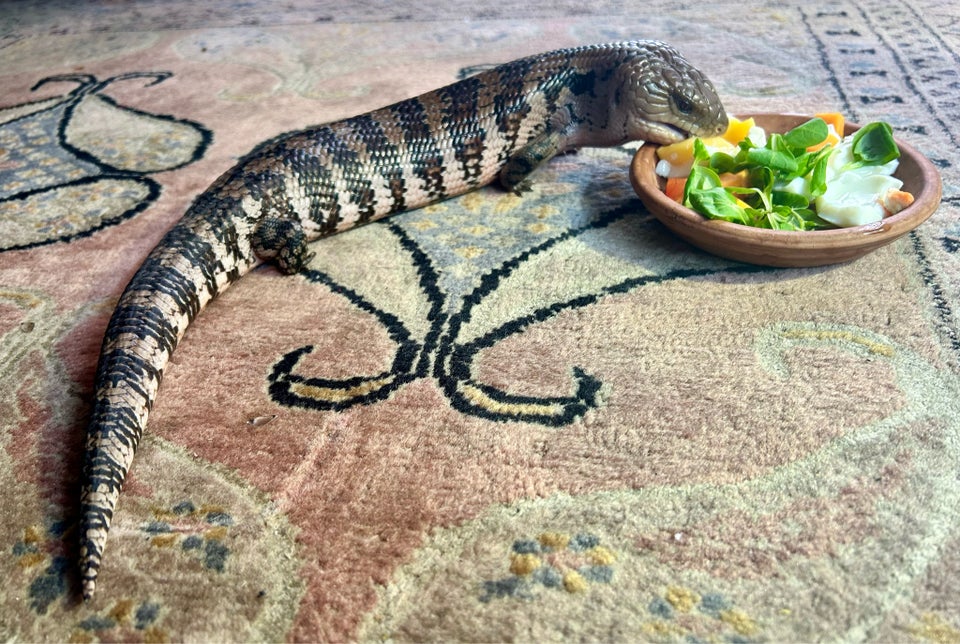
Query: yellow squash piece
738, 130
681, 153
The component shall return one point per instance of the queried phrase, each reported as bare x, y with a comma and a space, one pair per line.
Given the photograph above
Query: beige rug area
498, 418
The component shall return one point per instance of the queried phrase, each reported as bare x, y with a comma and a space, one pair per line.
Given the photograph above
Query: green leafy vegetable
873, 144
790, 199
803, 136
767, 201
776, 160
720, 204
818, 178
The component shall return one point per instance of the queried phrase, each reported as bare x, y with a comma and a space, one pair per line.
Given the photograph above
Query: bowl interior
790, 248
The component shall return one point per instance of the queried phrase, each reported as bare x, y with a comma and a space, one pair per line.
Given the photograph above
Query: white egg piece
798, 186
855, 199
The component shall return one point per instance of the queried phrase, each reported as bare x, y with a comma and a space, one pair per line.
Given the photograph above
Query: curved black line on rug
58, 117
452, 362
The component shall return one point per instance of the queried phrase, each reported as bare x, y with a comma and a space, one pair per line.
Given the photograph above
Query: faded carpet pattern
499, 417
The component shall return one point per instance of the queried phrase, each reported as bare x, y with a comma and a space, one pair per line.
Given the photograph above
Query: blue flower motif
556, 561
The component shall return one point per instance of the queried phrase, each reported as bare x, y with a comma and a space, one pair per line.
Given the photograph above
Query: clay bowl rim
736, 241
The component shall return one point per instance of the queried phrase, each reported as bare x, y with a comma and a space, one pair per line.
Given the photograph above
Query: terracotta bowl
789, 248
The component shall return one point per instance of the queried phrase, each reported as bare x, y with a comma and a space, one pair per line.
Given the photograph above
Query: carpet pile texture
497, 418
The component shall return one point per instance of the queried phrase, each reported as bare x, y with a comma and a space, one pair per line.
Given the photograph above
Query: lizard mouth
665, 133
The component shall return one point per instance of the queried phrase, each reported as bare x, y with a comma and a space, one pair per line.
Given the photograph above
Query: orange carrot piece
836, 120
674, 188
675, 185
833, 118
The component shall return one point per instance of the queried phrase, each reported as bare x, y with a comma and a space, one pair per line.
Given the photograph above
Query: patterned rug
497, 418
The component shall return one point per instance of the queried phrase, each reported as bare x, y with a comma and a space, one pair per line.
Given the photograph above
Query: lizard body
301, 186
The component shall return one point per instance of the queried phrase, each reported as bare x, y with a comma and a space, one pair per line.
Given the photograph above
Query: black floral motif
453, 342
84, 147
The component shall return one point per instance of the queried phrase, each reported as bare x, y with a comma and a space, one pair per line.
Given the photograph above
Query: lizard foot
283, 241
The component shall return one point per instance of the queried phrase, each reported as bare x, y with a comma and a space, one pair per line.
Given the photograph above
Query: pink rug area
498, 418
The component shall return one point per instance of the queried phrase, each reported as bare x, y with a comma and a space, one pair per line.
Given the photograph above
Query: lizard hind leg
283, 240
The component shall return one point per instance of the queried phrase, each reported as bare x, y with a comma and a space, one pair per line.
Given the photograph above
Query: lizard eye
682, 103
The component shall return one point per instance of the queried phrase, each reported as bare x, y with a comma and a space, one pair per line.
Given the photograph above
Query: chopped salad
809, 178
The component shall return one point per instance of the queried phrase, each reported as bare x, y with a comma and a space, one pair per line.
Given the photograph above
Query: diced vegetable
835, 119
738, 130
675, 185
896, 200
835, 125
805, 179
680, 155
674, 188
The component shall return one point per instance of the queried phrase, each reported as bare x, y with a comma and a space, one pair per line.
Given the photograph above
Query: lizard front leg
514, 173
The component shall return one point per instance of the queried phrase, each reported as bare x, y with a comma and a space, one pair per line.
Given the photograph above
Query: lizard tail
195, 261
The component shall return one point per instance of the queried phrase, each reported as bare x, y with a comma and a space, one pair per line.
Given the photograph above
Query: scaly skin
305, 185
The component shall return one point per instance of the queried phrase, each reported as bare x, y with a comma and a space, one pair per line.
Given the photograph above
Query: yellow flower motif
693, 615
32, 534
538, 228
164, 540
574, 582
601, 556
553, 560
80, 637
218, 533
31, 559
470, 252
122, 611
507, 203
682, 599
473, 201
524, 564
556, 540
29, 551
544, 211
740, 621
661, 628
422, 224
155, 635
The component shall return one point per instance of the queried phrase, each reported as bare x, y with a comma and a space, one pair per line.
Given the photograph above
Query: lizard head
665, 98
